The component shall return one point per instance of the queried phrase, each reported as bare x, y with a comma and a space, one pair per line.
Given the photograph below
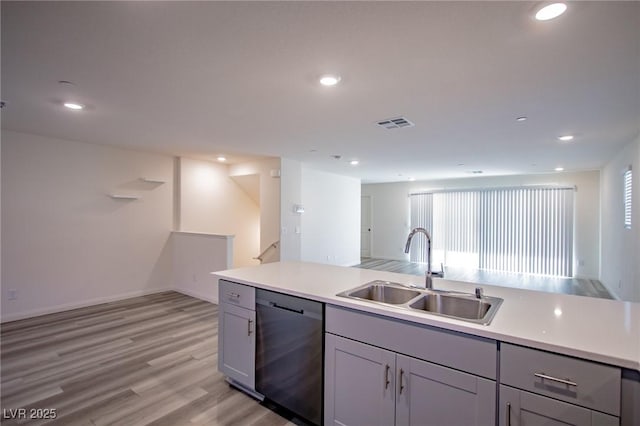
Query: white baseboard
403, 259
80, 304
206, 297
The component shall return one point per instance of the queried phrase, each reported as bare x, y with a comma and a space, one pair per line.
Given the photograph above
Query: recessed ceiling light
551, 11
74, 105
565, 138
523, 118
222, 158
559, 169
411, 179
329, 80
354, 162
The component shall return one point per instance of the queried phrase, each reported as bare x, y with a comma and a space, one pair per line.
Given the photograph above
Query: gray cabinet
359, 385
366, 385
542, 388
520, 408
236, 334
429, 394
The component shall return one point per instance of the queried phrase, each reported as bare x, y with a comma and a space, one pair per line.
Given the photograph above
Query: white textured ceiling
240, 78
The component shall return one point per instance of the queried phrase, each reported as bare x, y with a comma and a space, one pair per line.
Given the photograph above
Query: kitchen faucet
428, 282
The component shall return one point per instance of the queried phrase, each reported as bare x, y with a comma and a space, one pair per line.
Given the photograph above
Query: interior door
365, 226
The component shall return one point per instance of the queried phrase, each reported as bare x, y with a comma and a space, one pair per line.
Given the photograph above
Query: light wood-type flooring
576, 286
149, 360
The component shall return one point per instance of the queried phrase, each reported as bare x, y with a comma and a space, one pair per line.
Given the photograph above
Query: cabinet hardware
249, 327
555, 379
386, 376
400, 380
234, 295
286, 308
508, 414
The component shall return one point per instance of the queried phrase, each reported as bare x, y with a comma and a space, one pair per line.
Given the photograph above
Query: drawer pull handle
386, 376
555, 379
508, 414
401, 384
249, 327
234, 295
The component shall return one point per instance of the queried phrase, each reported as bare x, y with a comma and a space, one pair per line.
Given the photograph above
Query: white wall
290, 222
211, 202
390, 212
65, 242
331, 221
620, 246
269, 207
195, 256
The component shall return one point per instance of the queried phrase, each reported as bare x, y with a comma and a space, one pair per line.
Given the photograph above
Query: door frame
370, 202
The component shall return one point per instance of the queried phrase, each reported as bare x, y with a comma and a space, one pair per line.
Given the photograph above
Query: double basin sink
463, 306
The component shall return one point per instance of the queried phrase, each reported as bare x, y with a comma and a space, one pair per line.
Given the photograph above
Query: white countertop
606, 331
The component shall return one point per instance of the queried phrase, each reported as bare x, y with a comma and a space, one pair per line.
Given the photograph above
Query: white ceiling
240, 78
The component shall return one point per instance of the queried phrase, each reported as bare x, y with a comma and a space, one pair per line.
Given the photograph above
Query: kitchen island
528, 326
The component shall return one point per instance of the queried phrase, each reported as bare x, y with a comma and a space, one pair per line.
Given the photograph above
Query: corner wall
211, 202
620, 246
290, 221
268, 172
331, 221
65, 242
195, 256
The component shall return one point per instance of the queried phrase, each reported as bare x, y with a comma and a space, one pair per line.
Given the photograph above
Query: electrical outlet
13, 294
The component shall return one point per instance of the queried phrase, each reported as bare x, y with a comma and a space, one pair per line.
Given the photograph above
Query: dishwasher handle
286, 308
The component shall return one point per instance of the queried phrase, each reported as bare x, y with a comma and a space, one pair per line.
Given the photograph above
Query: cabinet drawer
237, 294
580, 382
471, 354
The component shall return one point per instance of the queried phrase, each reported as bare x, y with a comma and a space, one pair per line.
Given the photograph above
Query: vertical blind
527, 230
627, 198
421, 209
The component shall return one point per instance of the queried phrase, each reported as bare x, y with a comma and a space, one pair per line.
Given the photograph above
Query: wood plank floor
576, 286
149, 360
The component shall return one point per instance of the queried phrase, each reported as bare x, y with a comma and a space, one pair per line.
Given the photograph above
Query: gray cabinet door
520, 408
359, 383
429, 394
237, 344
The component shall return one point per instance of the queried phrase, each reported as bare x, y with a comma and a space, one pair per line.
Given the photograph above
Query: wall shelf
124, 197
152, 180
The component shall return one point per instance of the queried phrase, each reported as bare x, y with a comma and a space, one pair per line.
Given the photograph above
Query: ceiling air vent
395, 123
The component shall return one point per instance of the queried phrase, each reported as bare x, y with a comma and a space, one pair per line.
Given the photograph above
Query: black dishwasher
289, 352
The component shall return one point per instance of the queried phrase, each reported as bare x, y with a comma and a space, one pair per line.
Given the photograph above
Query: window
525, 230
627, 177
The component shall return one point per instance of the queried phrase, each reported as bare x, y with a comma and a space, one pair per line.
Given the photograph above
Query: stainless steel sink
384, 292
477, 308
467, 307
